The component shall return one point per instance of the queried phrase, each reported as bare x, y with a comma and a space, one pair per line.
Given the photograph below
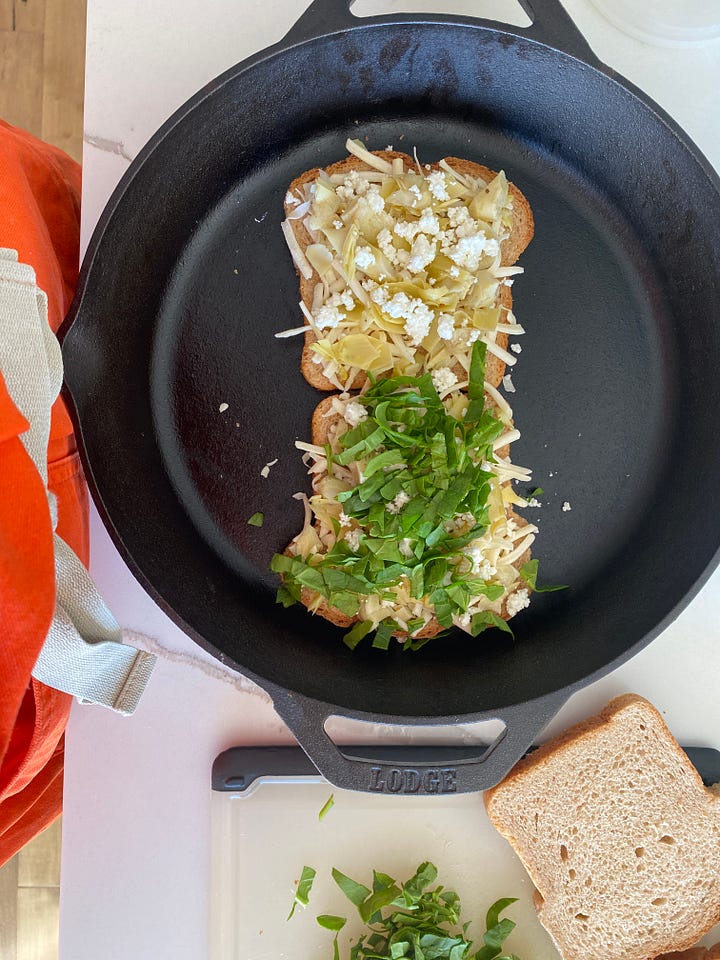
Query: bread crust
511, 248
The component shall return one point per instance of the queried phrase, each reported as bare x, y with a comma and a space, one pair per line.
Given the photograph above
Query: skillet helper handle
321, 17
551, 25
477, 769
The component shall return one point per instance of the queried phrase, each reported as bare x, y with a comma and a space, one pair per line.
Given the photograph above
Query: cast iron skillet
187, 278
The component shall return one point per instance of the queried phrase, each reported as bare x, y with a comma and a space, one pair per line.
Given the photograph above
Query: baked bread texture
619, 835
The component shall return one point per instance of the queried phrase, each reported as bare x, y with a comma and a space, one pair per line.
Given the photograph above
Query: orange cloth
40, 218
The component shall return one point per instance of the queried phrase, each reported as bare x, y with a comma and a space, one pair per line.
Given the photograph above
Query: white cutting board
263, 838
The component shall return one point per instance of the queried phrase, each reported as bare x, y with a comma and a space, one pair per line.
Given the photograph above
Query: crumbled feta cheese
328, 316
388, 248
415, 190
422, 254
223, 407
396, 505
534, 502
367, 283
464, 620
516, 348
352, 538
566, 506
338, 224
472, 336
445, 326
352, 186
407, 229
417, 315
453, 271
443, 379
508, 384
354, 413
405, 547
517, 601
436, 183
344, 519
467, 251
364, 257
379, 296
480, 565
428, 222
492, 247
345, 299
373, 198
457, 215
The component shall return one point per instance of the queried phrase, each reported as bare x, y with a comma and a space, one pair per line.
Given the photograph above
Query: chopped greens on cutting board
413, 920
262, 840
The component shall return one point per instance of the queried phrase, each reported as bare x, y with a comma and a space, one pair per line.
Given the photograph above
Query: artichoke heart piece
357, 350
488, 202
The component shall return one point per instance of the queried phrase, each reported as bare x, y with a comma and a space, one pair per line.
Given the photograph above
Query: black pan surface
188, 278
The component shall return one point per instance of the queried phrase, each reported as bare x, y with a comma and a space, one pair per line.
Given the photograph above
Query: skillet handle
551, 25
462, 770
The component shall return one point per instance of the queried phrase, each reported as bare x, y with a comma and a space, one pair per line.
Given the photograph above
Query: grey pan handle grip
550, 25
469, 770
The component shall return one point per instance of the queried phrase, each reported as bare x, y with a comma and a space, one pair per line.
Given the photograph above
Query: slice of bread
694, 953
618, 834
511, 248
327, 426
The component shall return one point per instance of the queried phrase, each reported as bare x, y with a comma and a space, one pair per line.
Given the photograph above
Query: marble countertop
135, 861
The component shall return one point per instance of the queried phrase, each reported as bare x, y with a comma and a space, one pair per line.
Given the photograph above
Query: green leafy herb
326, 808
529, 572
535, 492
361, 629
330, 922
482, 621
354, 891
257, 520
415, 921
422, 499
302, 893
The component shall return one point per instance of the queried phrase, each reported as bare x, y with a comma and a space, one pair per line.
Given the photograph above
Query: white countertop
135, 860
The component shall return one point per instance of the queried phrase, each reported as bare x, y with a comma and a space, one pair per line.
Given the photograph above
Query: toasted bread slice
511, 248
327, 425
618, 834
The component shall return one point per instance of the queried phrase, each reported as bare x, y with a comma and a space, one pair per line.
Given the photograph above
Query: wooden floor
42, 70
29, 900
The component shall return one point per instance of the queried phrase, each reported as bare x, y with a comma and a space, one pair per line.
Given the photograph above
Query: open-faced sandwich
403, 267
405, 275
410, 528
